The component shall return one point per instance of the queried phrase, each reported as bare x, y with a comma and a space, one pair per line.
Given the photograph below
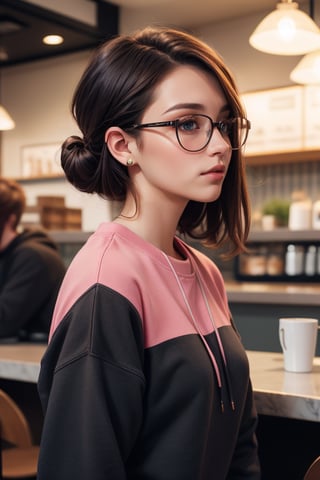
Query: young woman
145, 376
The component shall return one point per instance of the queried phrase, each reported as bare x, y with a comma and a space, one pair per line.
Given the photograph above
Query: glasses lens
194, 131
238, 131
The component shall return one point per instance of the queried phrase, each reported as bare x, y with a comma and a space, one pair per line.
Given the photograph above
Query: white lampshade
307, 71
286, 31
6, 122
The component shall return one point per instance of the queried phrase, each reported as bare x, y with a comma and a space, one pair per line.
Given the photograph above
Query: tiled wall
279, 181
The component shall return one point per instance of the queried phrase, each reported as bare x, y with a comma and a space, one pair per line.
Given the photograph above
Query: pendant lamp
6, 122
307, 72
286, 31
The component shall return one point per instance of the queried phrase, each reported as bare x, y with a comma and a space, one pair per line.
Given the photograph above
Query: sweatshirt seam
150, 255
118, 366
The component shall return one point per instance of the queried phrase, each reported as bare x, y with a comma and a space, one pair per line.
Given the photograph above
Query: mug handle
282, 339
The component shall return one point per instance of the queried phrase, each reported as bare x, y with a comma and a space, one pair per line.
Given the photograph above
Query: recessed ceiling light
53, 39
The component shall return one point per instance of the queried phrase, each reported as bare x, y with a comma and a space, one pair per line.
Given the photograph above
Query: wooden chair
313, 472
19, 461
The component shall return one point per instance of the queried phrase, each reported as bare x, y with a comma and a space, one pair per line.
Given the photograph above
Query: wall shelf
284, 235
69, 236
42, 178
266, 260
283, 157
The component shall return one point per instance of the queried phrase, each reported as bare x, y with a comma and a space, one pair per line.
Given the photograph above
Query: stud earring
129, 162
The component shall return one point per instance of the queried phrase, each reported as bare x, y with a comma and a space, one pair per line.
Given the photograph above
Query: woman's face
162, 166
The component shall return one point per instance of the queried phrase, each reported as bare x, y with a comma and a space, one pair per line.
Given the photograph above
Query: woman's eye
188, 125
225, 127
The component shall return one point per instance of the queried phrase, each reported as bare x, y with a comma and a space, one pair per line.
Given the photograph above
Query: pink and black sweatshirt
131, 386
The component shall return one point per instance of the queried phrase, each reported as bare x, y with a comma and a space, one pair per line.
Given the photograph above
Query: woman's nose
219, 142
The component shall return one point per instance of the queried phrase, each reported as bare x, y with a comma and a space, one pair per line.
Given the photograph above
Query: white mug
298, 338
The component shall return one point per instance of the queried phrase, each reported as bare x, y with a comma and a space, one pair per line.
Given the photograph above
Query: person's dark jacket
31, 271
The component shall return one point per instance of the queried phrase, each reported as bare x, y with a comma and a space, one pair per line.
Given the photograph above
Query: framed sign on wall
41, 160
277, 120
283, 119
312, 116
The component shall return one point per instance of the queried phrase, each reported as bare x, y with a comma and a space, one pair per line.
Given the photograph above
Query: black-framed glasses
194, 131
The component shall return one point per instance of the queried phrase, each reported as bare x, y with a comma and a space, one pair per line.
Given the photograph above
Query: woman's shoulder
115, 258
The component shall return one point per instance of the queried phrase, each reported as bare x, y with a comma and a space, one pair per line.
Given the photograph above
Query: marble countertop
21, 361
284, 394
273, 293
277, 393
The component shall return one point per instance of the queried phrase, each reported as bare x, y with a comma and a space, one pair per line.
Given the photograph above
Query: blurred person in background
31, 271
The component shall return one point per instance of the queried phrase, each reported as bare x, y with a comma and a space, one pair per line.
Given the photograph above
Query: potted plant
275, 213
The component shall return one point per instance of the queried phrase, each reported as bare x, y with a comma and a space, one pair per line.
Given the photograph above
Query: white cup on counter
298, 339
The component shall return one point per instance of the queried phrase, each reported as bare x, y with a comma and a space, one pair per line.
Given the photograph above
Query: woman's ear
118, 143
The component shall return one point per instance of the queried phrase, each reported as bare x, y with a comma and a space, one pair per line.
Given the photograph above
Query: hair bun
74, 142
80, 164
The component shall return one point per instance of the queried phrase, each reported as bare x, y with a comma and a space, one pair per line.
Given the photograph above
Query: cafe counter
277, 393
302, 294
284, 394
21, 361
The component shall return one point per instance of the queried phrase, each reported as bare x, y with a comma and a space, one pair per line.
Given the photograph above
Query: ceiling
194, 12
24, 23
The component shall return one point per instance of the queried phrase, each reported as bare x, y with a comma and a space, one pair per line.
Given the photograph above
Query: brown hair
115, 89
12, 202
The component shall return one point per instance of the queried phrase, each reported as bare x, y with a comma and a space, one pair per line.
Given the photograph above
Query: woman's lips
216, 172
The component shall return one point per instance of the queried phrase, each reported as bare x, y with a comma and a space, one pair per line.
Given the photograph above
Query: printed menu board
277, 120
312, 116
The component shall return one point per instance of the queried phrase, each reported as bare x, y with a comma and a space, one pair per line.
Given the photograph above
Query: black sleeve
91, 386
29, 282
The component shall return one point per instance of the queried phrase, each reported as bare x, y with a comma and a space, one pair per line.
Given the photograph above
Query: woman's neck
156, 230
155, 233
153, 220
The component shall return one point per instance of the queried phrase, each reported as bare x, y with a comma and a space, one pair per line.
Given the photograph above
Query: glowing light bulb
287, 29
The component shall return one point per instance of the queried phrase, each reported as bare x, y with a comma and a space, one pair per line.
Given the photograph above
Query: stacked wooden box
51, 213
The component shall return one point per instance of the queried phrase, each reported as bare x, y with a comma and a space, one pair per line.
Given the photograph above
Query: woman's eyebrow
195, 106
179, 106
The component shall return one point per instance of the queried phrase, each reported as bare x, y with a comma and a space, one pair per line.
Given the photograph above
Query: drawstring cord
222, 353
201, 284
